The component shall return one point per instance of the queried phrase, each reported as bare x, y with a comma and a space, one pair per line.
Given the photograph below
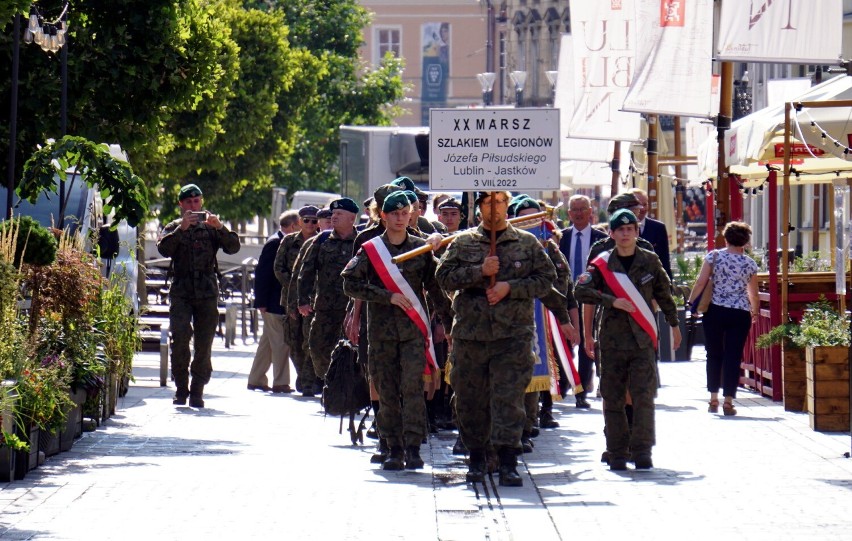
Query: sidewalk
253, 465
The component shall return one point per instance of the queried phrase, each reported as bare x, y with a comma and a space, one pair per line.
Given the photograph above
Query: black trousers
725, 333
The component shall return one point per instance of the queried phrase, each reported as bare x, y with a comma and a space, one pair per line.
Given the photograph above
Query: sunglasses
309, 220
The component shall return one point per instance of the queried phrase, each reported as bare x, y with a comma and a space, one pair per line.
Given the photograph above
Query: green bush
36, 244
821, 325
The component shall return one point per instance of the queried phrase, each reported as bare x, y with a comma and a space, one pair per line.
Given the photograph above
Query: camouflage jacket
617, 326
285, 261
560, 298
386, 321
193, 254
523, 264
320, 284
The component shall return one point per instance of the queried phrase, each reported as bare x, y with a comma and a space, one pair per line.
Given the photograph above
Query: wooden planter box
26, 461
794, 378
827, 372
7, 464
73, 422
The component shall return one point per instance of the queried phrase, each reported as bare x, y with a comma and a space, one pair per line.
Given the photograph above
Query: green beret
622, 217
397, 200
407, 184
412, 197
383, 191
190, 190
522, 203
344, 203
622, 201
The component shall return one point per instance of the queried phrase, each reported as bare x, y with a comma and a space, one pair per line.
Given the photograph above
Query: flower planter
48, 443
794, 378
73, 421
827, 373
7, 464
26, 461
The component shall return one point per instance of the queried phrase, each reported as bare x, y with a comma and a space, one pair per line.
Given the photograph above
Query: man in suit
654, 231
574, 245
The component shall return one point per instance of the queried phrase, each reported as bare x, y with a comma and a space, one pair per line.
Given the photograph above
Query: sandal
728, 409
714, 406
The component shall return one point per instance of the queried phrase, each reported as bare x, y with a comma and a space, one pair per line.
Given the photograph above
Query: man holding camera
192, 241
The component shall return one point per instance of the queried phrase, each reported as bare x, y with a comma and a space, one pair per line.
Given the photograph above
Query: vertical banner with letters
674, 58
604, 44
794, 31
435, 45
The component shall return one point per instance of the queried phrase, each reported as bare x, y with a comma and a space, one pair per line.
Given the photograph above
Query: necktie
577, 263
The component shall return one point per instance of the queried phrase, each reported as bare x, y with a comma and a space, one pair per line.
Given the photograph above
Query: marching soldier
492, 332
626, 280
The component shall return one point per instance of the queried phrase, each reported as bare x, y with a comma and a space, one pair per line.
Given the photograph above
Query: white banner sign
494, 149
604, 46
674, 58
795, 31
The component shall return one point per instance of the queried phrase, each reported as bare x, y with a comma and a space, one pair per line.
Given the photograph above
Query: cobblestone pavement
254, 465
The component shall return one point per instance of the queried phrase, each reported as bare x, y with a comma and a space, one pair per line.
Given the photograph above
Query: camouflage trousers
196, 320
396, 368
489, 379
325, 330
296, 338
635, 370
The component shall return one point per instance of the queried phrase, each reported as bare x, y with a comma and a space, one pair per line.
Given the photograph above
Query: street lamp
519, 78
742, 97
552, 75
52, 37
486, 81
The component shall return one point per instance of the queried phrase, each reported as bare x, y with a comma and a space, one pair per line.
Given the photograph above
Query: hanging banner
604, 57
674, 58
795, 31
435, 45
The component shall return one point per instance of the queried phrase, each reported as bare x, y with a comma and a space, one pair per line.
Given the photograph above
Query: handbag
702, 303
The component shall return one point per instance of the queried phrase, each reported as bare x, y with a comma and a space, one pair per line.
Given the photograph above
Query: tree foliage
235, 95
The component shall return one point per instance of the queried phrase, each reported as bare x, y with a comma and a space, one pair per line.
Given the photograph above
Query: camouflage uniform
492, 345
193, 296
321, 286
396, 345
285, 262
627, 351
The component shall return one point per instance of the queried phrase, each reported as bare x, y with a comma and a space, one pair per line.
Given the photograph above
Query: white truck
374, 155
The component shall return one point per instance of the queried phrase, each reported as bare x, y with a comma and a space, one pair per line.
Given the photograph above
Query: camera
201, 215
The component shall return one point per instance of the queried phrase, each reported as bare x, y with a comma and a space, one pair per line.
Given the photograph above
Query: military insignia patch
647, 278
352, 263
584, 279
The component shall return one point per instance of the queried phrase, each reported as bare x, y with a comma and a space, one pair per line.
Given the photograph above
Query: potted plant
821, 340
792, 363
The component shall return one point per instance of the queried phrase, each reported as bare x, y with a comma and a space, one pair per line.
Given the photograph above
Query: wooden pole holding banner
723, 123
653, 168
426, 248
493, 251
616, 168
679, 189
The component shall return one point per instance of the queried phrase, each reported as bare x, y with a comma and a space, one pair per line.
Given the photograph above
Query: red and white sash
395, 282
623, 288
563, 353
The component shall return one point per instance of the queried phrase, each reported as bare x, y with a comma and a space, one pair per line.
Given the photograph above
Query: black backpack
346, 391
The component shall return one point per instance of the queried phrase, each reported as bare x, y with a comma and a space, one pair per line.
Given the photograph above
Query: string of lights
49, 35
825, 137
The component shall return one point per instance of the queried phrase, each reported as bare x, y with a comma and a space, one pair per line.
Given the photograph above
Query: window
387, 39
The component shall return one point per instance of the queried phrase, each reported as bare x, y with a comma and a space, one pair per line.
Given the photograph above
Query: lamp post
486, 81
519, 78
552, 76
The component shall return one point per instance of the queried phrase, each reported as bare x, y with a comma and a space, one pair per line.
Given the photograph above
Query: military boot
412, 458
546, 419
395, 459
509, 476
458, 447
182, 392
196, 391
476, 469
526, 442
382, 450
